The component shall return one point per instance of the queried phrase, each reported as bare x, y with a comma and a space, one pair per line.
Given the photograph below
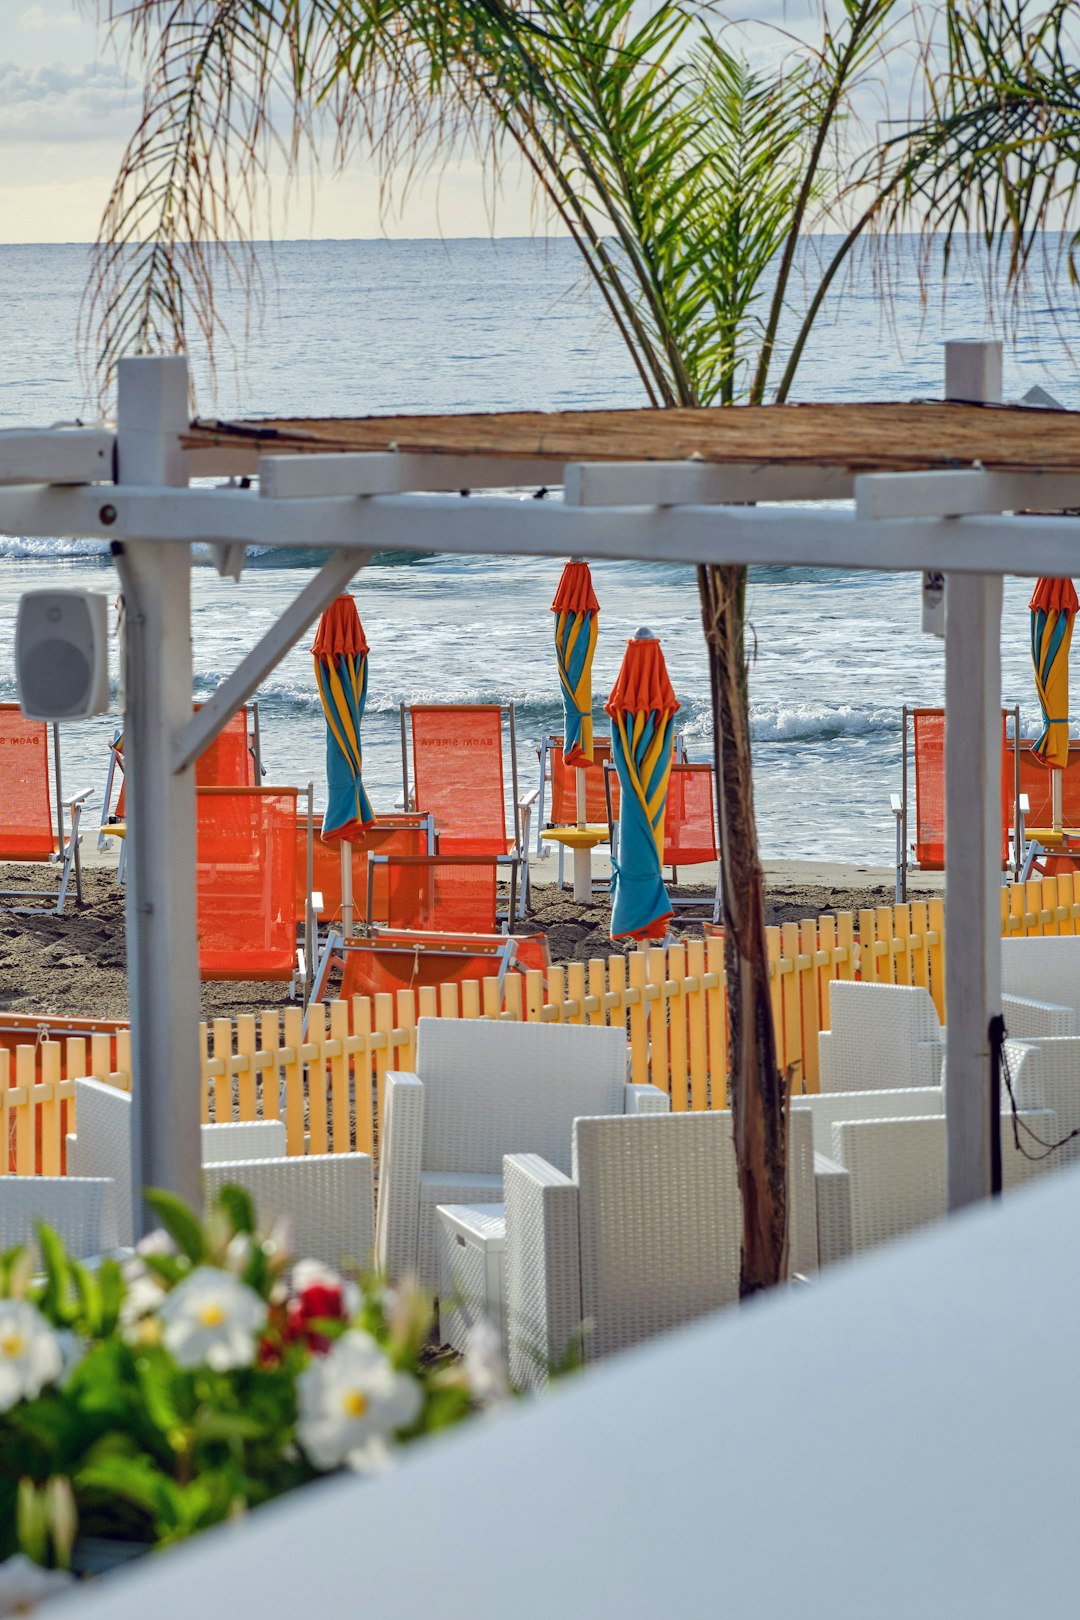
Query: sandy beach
73, 965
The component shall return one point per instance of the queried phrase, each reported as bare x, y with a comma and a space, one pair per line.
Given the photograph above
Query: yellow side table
582, 840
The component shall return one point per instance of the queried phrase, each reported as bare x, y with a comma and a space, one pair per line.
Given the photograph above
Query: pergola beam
693, 483
757, 536
965, 492
214, 715
59, 455
392, 472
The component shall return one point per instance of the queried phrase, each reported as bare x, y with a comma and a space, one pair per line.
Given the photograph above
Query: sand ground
74, 965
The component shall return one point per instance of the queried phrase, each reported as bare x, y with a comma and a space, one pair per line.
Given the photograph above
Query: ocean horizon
348, 327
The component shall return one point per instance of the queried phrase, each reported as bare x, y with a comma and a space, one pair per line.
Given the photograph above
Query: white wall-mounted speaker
62, 654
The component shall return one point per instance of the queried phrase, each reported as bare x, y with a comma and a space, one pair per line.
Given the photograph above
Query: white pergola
132, 486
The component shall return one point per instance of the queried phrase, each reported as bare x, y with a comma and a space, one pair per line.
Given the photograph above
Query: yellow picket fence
327, 1084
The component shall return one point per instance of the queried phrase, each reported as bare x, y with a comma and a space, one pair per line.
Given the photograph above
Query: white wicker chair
327, 1200
830, 1107
1059, 1076
243, 1139
882, 1036
482, 1090
645, 1235
898, 1171
1043, 970
82, 1210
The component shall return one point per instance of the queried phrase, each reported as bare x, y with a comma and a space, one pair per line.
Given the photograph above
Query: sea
353, 327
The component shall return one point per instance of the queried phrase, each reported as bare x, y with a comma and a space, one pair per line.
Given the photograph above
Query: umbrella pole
346, 888
582, 857
1055, 798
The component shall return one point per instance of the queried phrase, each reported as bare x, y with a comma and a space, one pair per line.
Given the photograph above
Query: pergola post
162, 947
972, 828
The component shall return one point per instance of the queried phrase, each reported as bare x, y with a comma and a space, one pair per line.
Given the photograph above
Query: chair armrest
543, 1268
930, 1059
832, 1192
397, 1221
528, 799
896, 804
645, 1100
78, 798
1025, 805
1025, 1017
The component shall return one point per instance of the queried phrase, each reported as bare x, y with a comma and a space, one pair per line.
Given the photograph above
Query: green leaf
177, 1219
237, 1205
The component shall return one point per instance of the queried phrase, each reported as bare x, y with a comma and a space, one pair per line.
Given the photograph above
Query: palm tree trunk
758, 1090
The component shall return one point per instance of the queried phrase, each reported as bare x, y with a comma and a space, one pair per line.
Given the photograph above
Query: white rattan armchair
81, 1210
1043, 970
880, 1036
327, 1199
482, 1090
643, 1236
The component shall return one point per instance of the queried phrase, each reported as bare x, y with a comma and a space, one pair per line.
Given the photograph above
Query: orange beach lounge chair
27, 829
457, 777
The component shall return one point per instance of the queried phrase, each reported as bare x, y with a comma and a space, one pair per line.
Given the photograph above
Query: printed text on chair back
930, 789
458, 775
564, 786
690, 821
26, 816
246, 882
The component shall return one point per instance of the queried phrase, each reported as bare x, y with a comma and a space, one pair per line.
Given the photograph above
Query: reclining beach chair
28, 832
928, 811
399, 834
458, 779
388, 960
642, 1235
233, 759
558, 781
327, 1199
483, 1089
245, 862
691, 835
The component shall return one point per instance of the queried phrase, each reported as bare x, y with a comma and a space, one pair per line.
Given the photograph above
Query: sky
69, 102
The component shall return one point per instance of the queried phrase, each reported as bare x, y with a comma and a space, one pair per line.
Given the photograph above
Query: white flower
351, 1401
485, 1366
23, 1584
30, 1353
211, 1319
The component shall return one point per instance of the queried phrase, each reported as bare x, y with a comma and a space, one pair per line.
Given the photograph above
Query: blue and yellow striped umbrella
340, 650
642, 707
1053, 610
576, 612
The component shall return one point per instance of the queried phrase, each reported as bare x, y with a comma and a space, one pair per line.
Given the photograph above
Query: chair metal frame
1023, 853
523, 804
116, 763
66, 854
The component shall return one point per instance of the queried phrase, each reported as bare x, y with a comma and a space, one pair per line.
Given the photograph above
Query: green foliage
142, 1438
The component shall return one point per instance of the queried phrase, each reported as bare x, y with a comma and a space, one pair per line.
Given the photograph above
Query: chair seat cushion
438, 1187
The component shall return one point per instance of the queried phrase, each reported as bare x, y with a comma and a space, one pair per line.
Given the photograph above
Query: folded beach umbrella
340, 652
642, 707
1053, 610
576, 611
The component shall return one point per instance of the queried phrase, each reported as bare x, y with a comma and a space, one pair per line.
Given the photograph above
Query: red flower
318, 1302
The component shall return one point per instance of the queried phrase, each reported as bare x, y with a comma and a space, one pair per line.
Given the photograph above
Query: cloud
57, 102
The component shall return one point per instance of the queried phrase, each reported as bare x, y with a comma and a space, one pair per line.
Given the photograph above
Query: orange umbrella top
1054, 596
643, 683
340, 631
575, 593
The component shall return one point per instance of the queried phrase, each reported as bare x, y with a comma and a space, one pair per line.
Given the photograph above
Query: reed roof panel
870, 437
